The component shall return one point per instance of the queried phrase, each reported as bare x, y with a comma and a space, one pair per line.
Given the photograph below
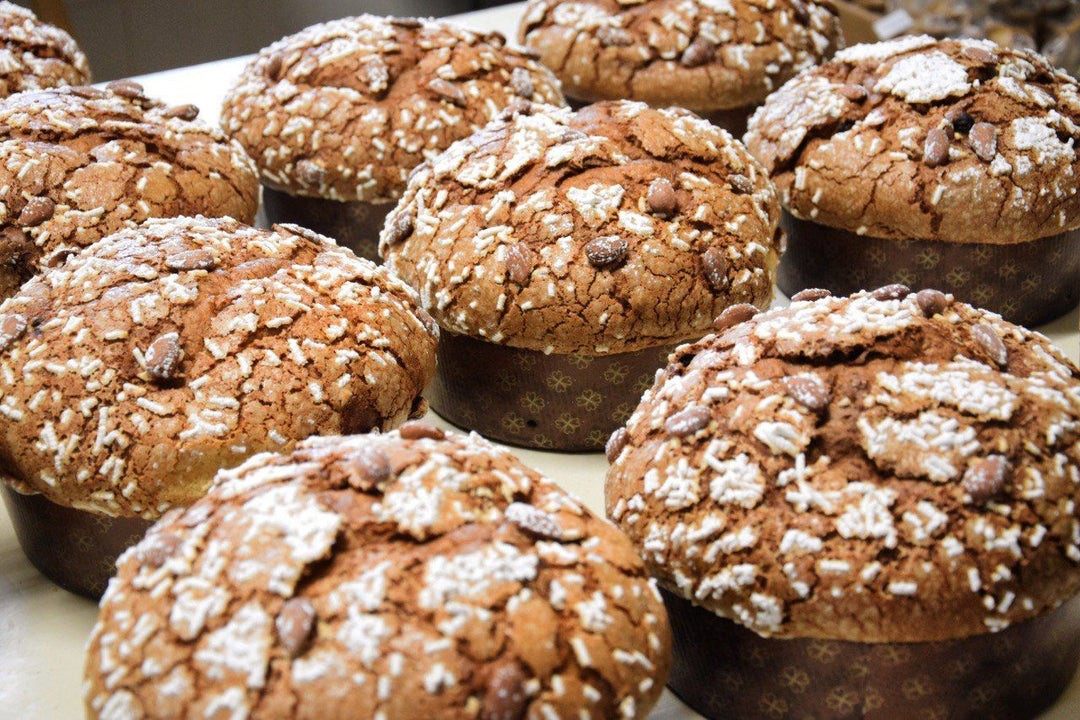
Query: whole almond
936, 148
448, 91
991, 343
36, 212
519, 263
891, 292
505, 697
12, 328
295, 624
616, 443
188, 260
689, 421
399, 229
811, 294
931, 302
368, 467
661, 197
983, 139
740, 183
808, 391
698, 53
716, 265
734, 315
986, 477
164, 355
416, 430
606, 250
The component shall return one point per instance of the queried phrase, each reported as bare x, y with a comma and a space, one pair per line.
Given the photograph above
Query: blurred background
132, 37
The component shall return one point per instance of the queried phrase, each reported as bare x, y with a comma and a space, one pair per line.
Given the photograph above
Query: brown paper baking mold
75, 549
1028, 283
355, 225
529, 399
724, 671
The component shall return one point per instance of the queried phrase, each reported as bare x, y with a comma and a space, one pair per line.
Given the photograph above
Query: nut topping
164, 355
689, 421
295, 624
606, 250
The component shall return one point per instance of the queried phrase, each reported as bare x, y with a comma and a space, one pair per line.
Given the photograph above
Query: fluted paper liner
529, 399
76, 549
1029, 283
355, 225
722, 670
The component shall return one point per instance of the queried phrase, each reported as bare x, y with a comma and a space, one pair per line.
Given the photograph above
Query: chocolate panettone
136, 370
575, 242
77, 164
720, 59
397, 576
939, 163
35, 55
340, 113
889, 470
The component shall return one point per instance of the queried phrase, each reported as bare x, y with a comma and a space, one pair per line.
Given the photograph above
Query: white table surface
43, 629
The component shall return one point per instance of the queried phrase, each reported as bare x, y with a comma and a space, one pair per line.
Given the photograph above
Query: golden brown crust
77, 164
35, 55
705, 55
957, 140
381, 577
136, 370
864, 469
610, 230
345, 110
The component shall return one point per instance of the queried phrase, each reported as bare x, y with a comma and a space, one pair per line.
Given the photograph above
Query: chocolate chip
164, 355
810, 392
734, 315
613, 37
936, 148
157, 548
983, 139
740, 184
688, 421
716, 267
986, 477
188, 260
15, 244
273, 67
184, 112
963, 123
295, 624
519, 263
616, 443
991, 343
891, 292
36, 212
12, 328
810, 295
534, 521
521, 83
606, 250
979, 55
415, 430
661, 197
931, 302
399, 229
447, 91
505, 697
698, 53
128, 89
309, 172
854, 92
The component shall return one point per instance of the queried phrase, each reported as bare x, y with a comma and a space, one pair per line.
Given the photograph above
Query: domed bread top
957, 140
398, 576
35, 55
705, 55
346, 109
78, 164
888, 467
136, 370
605, 231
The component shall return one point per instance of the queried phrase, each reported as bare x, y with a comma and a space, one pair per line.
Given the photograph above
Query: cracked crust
609, 230
380, 577
704, 55
957, 140
345, 110
864, 469
136, 370
35, 55
78, 164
